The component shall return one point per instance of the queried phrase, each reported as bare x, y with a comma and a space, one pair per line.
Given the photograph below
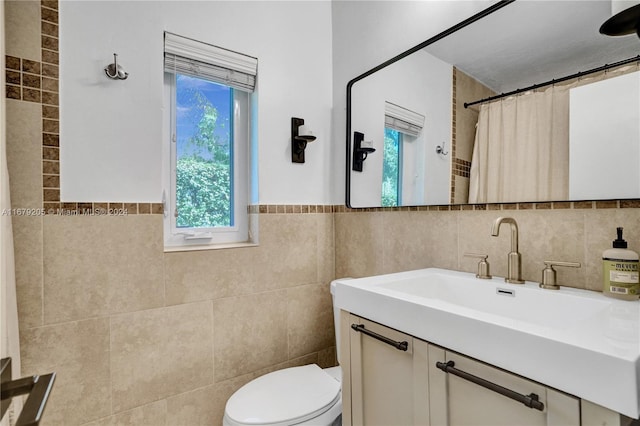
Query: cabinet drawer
469, 403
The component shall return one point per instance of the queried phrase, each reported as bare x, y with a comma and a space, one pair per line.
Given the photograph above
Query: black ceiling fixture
623, 23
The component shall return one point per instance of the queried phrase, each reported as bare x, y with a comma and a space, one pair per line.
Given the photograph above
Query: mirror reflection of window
401, 125
392, 168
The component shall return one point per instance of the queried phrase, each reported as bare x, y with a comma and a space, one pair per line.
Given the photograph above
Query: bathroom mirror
416, 139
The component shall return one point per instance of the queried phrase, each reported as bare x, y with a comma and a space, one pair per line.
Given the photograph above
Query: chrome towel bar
530, 400
402, 346
38, 388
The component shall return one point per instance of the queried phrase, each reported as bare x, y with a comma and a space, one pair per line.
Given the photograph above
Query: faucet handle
483, 265
549, 274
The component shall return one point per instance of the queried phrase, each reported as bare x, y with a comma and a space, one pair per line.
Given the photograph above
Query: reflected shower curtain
521, 151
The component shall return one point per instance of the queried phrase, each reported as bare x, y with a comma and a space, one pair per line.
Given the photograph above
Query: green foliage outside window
203, 195
390, 168
204, 166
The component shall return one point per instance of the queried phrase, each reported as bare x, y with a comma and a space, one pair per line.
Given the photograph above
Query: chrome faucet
514, 265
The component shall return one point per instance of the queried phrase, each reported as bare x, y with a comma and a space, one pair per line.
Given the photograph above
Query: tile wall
135, 333
378, 242
139, 336
463, 131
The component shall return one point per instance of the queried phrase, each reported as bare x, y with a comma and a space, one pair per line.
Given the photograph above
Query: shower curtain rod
559, 80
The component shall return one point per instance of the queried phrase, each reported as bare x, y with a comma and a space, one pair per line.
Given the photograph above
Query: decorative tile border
461, 168
23, 78
100, 209
555, 205
121, 208
125, 209
452, 150
50, 102
291, 208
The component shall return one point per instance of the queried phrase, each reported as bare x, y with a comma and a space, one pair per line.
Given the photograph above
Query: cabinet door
388, 385
468, 403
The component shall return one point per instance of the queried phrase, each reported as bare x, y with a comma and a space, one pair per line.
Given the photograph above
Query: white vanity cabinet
469, 403
387, 385
392, 378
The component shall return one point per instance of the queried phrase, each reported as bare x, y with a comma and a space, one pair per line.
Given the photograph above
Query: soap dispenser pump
620, 267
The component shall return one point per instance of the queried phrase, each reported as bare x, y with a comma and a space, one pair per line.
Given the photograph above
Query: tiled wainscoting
142, 336
138, 336
372, 243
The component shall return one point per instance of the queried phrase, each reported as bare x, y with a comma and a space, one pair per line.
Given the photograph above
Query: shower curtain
9, 343
521, 150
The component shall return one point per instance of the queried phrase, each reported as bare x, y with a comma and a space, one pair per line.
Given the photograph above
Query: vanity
441, 347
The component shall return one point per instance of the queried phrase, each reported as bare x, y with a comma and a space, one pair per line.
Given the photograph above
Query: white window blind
183, 55
402, 119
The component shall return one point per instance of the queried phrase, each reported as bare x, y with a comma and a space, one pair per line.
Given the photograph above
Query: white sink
574, 340
515, 303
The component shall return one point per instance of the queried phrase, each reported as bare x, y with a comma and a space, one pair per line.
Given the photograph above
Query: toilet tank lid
286, 396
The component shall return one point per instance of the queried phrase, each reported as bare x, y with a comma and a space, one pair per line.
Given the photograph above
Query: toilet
307, 395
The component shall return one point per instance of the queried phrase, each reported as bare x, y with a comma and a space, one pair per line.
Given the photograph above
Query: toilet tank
336, 316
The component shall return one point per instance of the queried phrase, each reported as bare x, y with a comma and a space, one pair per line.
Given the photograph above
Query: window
207, 184
401, 125
392, 168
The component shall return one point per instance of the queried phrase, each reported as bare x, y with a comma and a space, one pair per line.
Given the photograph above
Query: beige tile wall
463, 131
136, 334
441, 238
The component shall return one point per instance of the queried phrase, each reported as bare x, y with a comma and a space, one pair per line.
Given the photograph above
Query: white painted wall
367, 33
420, 83
604, 139
111, 135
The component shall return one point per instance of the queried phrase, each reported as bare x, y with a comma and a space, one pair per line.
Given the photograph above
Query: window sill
209, 247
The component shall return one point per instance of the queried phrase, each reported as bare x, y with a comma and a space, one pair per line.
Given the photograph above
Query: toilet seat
284, 397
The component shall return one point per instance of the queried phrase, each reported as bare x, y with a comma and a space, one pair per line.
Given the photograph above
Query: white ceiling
531, 41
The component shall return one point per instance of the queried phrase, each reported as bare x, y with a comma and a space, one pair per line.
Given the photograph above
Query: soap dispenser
621, 271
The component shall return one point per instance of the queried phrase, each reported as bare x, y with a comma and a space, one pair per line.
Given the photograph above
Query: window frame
211, 237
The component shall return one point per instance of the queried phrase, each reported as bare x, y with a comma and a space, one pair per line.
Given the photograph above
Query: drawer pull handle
402, 346
530, 400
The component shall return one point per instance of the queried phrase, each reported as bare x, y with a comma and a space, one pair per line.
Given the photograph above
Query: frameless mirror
423, 138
